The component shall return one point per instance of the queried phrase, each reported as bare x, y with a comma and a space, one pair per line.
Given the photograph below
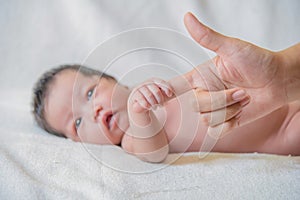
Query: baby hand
150, 94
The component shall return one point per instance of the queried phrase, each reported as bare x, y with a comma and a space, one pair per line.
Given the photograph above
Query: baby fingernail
167, 92
170, 93
239, 95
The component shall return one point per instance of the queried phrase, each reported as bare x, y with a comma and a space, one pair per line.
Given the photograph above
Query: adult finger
220, 116
207, 101
207, 37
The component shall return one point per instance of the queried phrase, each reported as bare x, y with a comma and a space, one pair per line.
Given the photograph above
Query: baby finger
165, 86
157, 93
148, 95
140, 99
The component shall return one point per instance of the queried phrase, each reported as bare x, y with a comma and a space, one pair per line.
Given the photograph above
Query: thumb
207, 37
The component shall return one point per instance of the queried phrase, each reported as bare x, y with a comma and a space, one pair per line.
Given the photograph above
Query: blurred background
39, 34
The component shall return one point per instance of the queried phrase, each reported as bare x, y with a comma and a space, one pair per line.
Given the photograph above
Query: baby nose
97, 110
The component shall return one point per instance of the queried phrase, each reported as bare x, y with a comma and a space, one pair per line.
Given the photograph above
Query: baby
86, 105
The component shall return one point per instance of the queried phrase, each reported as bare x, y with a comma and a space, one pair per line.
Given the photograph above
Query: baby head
81, 103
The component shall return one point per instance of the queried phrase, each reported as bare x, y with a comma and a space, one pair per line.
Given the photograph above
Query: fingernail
170, 93
239, 95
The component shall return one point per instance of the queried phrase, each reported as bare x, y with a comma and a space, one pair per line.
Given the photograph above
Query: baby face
93, 110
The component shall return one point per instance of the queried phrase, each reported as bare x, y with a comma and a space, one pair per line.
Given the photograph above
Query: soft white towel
46, 167
36, 165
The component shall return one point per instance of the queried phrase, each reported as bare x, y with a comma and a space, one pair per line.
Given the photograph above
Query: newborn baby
86, 105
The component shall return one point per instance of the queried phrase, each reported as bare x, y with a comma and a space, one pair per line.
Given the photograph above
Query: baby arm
149, 141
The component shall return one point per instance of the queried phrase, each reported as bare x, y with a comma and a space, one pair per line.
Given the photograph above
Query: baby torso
185, 130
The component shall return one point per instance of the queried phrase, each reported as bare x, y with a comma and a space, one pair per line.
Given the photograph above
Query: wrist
143, 125
290, 61
138, 118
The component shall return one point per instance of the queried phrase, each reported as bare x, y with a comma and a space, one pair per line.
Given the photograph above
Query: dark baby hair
41, 88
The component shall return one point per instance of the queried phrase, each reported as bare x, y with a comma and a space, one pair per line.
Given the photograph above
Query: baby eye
90, 93
77, 123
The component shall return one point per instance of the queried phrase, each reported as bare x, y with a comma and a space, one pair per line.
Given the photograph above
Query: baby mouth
108, 121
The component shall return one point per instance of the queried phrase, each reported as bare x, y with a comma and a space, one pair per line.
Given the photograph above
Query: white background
38, 34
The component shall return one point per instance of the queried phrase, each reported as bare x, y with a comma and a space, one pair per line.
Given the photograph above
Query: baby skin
152, 120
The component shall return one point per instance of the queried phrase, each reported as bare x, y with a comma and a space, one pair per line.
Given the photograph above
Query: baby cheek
90, 133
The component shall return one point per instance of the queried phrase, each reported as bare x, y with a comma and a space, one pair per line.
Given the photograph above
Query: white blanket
36, 165
36, 35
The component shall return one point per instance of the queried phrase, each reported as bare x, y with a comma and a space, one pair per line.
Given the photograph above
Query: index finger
206, 101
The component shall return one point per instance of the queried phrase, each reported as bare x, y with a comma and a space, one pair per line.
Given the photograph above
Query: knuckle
205, 119
203, 107
233, 110
198, 91
155, 89
236, 106
230, 125
230, 112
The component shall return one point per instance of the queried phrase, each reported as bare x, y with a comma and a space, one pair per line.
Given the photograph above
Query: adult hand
260, 72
